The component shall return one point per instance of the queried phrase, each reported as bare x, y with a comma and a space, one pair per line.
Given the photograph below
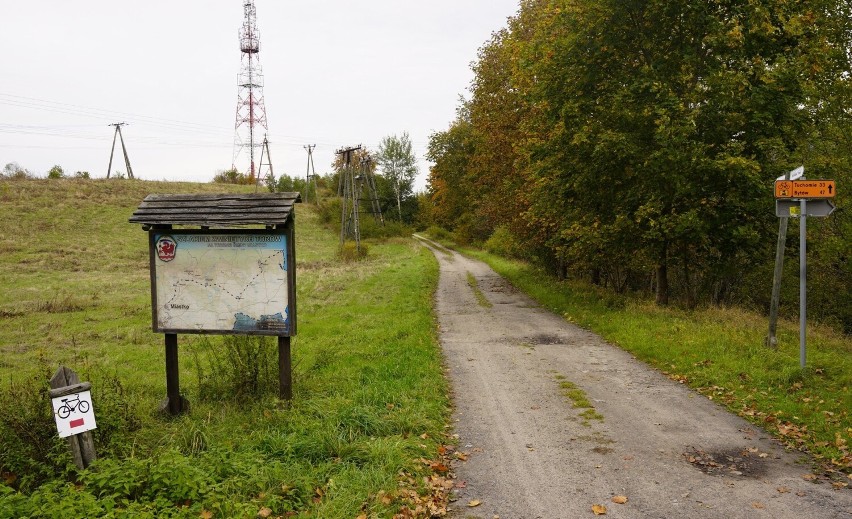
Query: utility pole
270, 177
123, 149
349, 203
311, 173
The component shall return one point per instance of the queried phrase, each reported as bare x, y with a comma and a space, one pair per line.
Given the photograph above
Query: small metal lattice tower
352, 182
251, 110
123, 149
349, 225
368, 179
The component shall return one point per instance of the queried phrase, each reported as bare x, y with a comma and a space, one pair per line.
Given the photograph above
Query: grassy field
720, 353
370, 400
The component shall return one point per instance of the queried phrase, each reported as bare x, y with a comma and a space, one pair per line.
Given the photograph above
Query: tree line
635, 144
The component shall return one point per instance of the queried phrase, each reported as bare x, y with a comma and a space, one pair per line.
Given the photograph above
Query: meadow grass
370, 399
720, 352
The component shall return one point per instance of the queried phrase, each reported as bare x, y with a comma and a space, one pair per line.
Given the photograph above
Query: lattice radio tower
251, 110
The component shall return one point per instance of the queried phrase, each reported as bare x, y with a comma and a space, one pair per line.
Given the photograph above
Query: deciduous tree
399, 166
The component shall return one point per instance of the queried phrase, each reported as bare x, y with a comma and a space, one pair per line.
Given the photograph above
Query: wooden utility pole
123, 149
311, 174
270, 177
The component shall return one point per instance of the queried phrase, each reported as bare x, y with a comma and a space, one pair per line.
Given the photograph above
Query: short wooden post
285, 369
174, 402
82, 445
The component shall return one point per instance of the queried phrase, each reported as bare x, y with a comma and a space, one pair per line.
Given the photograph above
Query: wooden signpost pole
285, 369
82, 446
175, 404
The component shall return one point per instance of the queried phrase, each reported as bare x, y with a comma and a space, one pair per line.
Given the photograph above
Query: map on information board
221, 283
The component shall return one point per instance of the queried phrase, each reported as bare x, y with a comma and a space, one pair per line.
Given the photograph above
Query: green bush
232, 176
56, 172
329, 212
116, 410
350, 252
370, 228
31, 452
439, 233
503, 243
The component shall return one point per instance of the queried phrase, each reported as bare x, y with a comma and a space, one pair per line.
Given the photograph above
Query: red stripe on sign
76, 423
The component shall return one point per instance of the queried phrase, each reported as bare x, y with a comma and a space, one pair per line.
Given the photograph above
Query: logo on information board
166, 248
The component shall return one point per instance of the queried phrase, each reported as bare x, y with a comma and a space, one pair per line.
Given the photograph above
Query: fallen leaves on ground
264, 512
758, 505
619, 500
599, 509
474, 503
206, 514
433, 502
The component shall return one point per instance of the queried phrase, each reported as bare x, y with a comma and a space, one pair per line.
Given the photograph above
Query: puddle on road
742, 462
535, 340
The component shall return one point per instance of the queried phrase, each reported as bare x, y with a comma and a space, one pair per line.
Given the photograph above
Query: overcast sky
336, 73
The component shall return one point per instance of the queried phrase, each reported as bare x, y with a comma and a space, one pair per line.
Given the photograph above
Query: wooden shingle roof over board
216, 210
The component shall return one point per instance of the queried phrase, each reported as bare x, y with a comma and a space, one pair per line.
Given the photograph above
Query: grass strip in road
579, 400
720, 353
477, 292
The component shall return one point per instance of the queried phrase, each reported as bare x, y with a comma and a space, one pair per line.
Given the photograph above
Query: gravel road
530, 454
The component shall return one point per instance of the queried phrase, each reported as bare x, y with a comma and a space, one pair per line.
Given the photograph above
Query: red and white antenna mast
251, 111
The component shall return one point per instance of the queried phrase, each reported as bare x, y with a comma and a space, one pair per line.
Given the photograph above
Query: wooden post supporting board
82, 445
285, 369
175, 404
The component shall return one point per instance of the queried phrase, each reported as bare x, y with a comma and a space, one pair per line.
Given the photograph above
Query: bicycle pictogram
70, 405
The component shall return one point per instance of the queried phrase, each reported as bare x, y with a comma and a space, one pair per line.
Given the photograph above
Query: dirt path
672, 452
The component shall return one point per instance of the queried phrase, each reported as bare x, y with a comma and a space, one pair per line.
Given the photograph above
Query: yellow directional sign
805, 189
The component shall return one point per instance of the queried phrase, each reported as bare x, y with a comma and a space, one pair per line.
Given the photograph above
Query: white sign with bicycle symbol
74, 413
